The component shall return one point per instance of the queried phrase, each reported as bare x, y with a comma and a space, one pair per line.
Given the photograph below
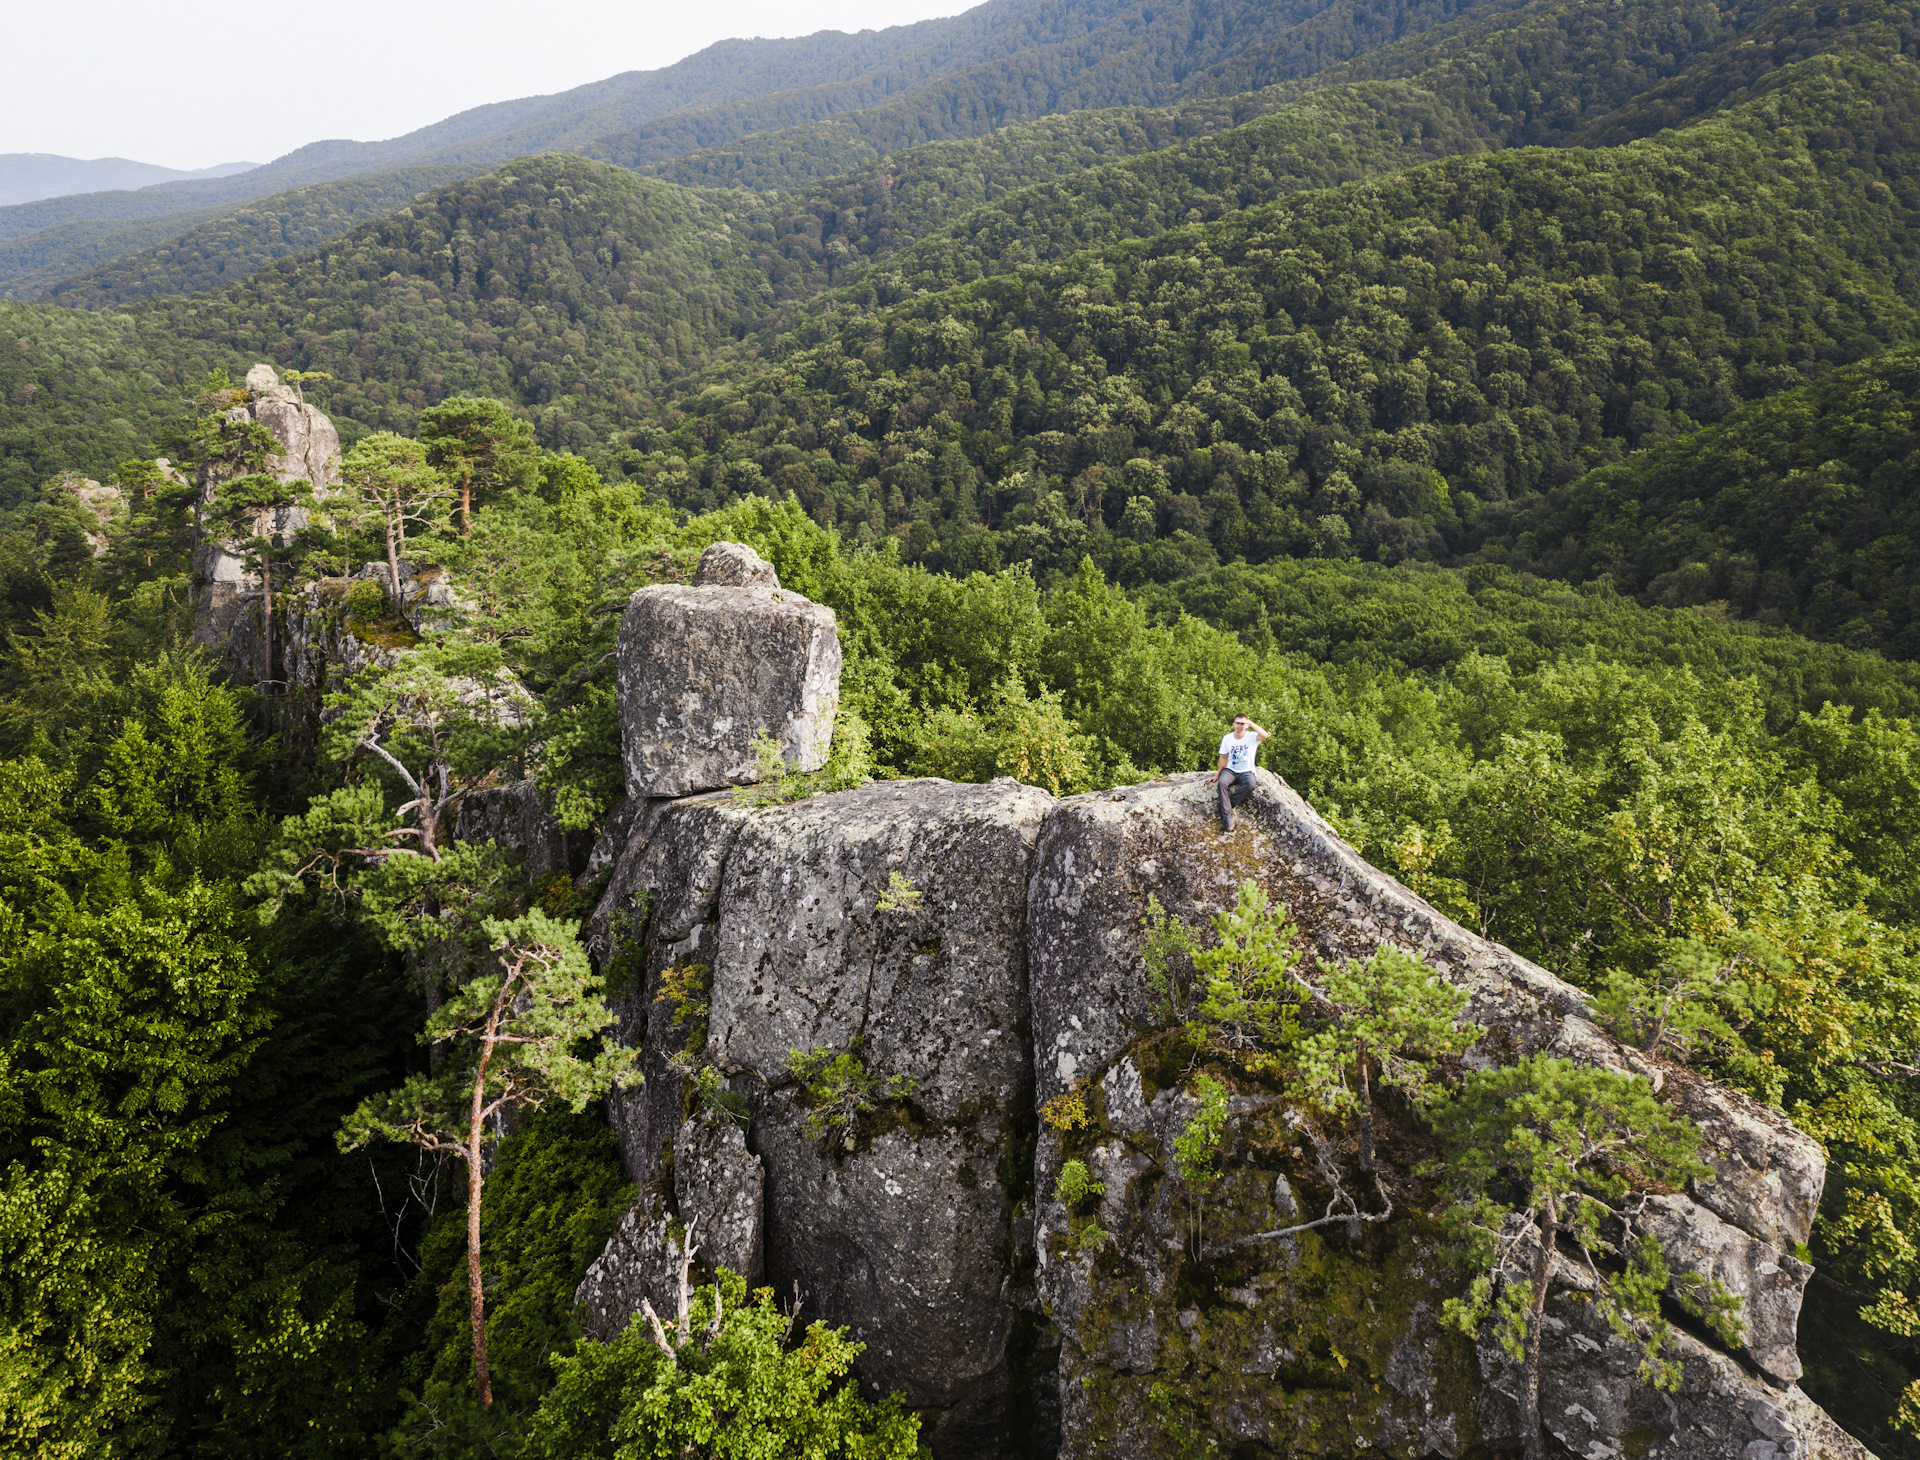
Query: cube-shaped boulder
704, 670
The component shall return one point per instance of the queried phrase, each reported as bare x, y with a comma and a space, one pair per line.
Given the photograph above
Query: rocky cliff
329, 628
226, 593
1012, 972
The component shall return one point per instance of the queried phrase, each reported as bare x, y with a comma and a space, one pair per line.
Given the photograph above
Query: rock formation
975, 950
103, 507
226, 594
704, 670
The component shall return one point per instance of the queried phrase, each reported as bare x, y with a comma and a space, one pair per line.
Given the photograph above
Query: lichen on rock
704, 670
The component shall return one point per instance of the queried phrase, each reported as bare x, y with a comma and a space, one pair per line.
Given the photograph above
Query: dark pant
1235, 788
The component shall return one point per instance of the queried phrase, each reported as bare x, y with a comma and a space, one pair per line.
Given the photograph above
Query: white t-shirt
1239, 753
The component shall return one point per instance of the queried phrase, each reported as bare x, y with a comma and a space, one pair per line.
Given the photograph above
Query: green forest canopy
1483, 439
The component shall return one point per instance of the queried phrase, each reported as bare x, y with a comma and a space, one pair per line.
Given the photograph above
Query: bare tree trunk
393, 560
466, 506
266, 612
476, 1178
1366, 1106
1532, 1437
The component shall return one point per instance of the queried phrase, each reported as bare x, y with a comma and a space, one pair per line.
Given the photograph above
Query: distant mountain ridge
28, 177
1004, 61
729, 71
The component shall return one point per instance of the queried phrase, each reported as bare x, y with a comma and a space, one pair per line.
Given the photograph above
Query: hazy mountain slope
36, 262
729, 71
1151, 55
86, 390
1567, 59
26, 177
233, 243
1758, 60
942, 214
519, 284
884, 205
507, 290
544, 281
949, 78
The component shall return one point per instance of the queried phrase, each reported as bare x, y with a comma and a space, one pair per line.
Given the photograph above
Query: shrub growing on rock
741, 1389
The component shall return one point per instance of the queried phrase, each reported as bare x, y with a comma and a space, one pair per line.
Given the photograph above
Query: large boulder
1139, 1314
734, 565
660, 912
751, 933
971, 952
1593, 1403
103, 508
704, 669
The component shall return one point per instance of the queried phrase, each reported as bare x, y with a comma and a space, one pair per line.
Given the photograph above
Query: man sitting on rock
1234, 775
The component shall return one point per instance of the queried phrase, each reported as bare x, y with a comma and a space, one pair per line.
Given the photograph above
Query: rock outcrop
103, 507
967, 953
704, 669
307, 449
514, 817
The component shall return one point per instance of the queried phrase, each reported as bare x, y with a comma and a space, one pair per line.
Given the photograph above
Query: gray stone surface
1101, 855
1017, 974
1592, 1403
719, 1189
104, 507
1098, 860
1770, 1283
637, 1263
309, 445
734, 565
906, 1239
659, 910
703, 671
513, 818
308, 450
912, 1238
937, 992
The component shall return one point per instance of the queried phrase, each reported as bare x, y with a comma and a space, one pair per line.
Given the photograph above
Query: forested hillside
1508, 404
1798, 510
956, 77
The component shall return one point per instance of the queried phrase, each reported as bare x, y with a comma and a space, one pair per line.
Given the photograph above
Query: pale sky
192, 83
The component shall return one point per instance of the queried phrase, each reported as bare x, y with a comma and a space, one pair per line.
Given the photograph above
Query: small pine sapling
1392, 1018
840, 1089
1240, 997
1197, 1149
1561, 1148
1695, 1002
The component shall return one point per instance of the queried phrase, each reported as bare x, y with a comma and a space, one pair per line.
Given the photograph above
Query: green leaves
744, 1394
1196, 1150
1075, 1184
482, 447
1571, 1143
838, 1089
514, 1034
1239, 995
1392, 1018
1687, 1007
